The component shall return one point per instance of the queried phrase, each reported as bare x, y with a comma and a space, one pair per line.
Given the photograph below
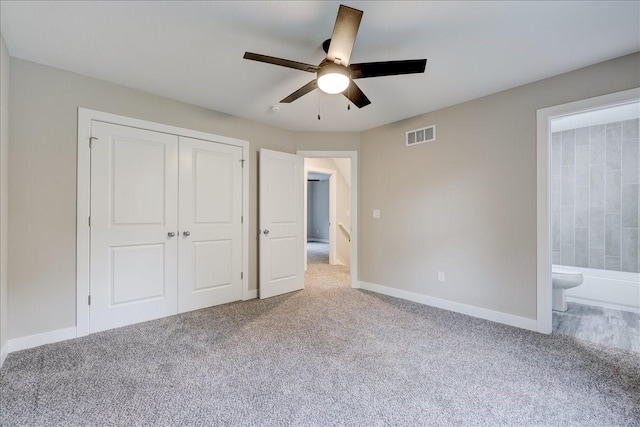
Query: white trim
252, 294
85, 117
353, 155
332, 212
544, 117
469, 310
246, 292
37, 340
4, 352
83, 206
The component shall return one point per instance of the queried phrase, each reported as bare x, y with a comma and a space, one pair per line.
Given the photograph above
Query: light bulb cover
333, 78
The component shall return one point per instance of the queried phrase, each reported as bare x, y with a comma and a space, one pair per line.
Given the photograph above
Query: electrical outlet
440, 276
376, 213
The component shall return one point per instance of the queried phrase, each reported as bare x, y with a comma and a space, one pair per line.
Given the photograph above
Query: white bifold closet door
165, 225
210, 211
134, 208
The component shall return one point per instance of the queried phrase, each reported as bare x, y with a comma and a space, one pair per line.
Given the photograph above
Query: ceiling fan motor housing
333, 78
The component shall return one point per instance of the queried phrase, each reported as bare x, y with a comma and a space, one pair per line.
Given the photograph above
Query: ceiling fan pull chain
319, 105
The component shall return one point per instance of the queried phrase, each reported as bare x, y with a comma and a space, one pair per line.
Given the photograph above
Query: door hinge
242, 219
89, 300
89, 221
91, 141
242, 162
241, 275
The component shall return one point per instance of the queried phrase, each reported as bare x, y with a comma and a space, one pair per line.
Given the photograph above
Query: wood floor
612, 328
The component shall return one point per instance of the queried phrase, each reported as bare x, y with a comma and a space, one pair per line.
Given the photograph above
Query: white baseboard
340, 262
4, 352
252, 294
37, 340
469, 310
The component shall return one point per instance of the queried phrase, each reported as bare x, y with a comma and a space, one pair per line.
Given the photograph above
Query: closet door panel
210, 210
133, 260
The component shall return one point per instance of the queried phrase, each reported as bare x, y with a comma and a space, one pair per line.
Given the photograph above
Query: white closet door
210, 241
281, 223
134, 177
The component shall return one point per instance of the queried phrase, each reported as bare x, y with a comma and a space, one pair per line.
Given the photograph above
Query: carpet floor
317, 253
325, 356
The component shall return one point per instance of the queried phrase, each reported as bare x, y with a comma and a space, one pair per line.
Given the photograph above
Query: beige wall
4, 195
466, 204
42, 192
328, 141
343, 215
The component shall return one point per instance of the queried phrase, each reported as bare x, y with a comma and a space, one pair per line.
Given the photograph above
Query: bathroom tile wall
595, 194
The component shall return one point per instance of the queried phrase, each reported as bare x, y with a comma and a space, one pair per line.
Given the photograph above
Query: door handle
186, 233
171, 234
266, 232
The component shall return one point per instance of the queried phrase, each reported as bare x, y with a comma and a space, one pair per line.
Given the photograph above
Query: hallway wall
343, 205
318, 211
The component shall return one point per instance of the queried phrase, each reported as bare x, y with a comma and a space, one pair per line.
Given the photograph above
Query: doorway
588, 178
321, 180
331, 228
320, 248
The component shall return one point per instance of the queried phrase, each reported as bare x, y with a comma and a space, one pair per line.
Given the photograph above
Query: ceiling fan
335, 74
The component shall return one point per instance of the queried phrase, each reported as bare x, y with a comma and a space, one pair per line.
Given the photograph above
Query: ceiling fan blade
344, 34
282, 62
356, 95
387, 68
300, 92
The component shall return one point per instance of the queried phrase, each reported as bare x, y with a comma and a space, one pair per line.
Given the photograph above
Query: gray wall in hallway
595, 193
318, 210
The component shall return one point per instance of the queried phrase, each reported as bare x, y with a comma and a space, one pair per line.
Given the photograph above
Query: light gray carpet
317, 253
325, 356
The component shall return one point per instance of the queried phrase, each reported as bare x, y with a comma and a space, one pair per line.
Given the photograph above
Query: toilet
563, 279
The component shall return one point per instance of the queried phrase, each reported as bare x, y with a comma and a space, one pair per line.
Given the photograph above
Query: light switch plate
440, 276
376, 213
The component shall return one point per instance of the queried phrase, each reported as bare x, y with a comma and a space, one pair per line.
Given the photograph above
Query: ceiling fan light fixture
333, 78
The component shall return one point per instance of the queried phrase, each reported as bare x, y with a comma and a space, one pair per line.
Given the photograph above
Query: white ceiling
192, 51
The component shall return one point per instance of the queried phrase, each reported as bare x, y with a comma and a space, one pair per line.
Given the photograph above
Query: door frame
83, 199
544, 117
332, 210
353, 155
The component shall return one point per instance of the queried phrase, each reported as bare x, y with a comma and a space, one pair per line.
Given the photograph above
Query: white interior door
281, 223
134, 193
210, 240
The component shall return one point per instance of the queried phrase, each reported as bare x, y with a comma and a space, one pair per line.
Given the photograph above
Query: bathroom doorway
592, 246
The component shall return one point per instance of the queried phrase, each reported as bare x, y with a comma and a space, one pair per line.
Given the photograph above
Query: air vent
420, 136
